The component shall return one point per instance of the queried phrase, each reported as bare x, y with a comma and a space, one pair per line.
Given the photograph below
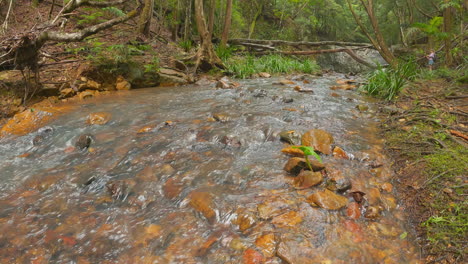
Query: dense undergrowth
387, 83
245, 67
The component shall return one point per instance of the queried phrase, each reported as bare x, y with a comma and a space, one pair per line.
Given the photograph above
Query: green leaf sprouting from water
309, 151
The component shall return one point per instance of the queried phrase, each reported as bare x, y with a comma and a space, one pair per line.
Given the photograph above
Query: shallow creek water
197, 190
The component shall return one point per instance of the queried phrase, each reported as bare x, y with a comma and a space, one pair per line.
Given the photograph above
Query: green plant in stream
309, 151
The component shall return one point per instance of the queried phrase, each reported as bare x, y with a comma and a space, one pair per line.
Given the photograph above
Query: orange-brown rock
146, 129
286, 82
172, 188
319, 139
293, 151
388, 187
328, 200
354, 210
264, 75
341, 81
307, 179
340, 153
98, 118
203, 202
295, 165
373, 196
122, 84
245, 221
288, 219
33, 118
252, 257
267, 243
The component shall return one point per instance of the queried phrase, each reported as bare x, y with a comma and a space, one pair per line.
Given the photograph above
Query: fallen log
298, 43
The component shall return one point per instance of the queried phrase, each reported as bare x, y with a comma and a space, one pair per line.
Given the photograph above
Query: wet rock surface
200, 190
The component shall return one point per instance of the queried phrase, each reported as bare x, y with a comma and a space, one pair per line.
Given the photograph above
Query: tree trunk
145, 18
206, 58
378, 41
448, 24
188, 20
211, 18
254, 21
227, 23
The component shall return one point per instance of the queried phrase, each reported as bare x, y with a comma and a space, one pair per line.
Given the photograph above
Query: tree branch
80, 35
296, 44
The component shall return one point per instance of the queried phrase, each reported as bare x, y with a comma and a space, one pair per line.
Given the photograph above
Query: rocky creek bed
196, 174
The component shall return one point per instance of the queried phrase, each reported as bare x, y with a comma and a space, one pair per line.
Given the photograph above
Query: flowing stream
193, 189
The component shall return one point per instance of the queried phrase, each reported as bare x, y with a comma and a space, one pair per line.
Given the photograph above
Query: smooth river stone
328, 200
319, 139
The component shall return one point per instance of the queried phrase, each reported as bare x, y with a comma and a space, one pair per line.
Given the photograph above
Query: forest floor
425, 134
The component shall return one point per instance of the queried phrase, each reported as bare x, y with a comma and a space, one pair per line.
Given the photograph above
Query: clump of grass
386, 83
245, 67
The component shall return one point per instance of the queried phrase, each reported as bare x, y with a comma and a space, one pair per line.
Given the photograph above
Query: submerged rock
286, 82
288, 219
373, 212
120, 189
354, 210
291, 137
295, 165
339, 153
84, 141
202, 202
267, 243
362, 108
339, 183
307, 179
43, 134
328, 200
319, 139
98, 118
221, 117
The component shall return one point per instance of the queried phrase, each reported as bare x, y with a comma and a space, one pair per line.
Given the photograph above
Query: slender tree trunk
227, 23
254, 21
206, 58
145, 18
188, 20
448, 25
211, 18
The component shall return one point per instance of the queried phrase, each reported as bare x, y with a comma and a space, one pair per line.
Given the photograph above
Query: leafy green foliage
187, 45
153, 66
386, 83
308, 151
244, 67
224, 53
433, 27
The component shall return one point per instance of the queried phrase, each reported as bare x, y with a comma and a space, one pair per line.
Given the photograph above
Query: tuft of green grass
387, 83
245, 67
